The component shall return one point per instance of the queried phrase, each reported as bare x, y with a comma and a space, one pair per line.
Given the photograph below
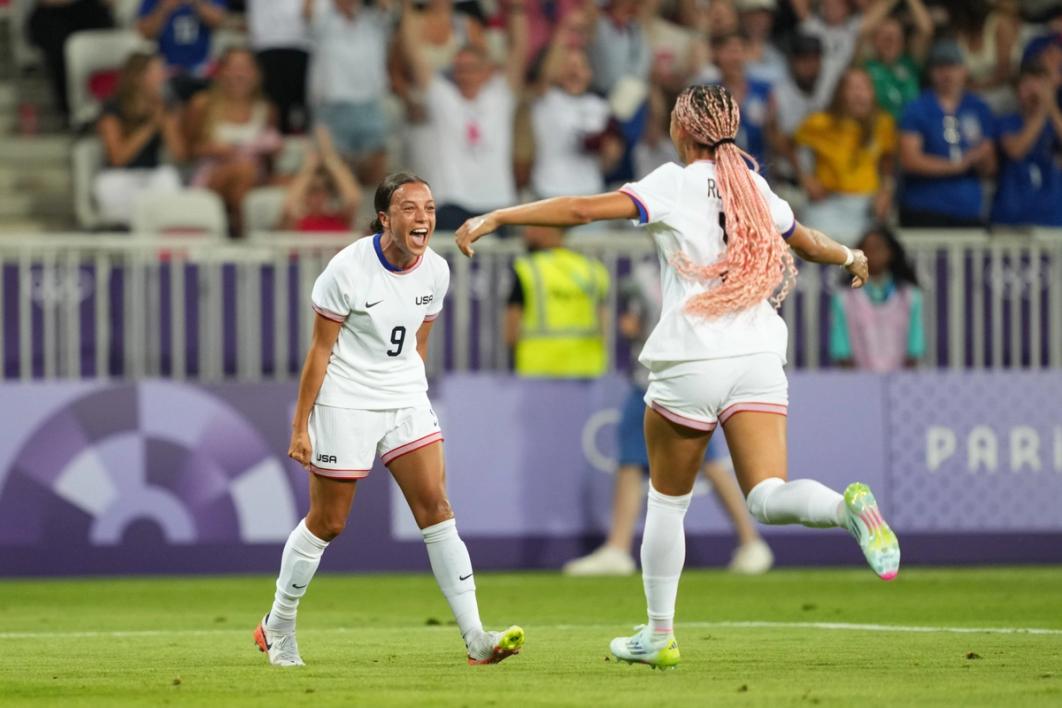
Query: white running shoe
645, 648
493, 647
752, 558
280, 646
607, 560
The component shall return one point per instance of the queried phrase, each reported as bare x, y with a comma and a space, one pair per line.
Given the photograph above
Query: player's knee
433, 511
326, 527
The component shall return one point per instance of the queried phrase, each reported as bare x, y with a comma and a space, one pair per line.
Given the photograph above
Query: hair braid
756, 265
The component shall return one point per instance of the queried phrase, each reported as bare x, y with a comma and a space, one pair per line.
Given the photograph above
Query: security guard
555, 314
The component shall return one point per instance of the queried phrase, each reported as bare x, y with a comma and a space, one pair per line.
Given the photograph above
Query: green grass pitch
784, 639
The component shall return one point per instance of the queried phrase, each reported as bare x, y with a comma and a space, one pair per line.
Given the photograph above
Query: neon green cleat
869, 529
493, 647
642, 648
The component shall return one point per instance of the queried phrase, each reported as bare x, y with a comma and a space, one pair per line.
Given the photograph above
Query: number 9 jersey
375, 364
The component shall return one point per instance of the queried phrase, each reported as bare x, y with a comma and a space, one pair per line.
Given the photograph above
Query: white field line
827, 626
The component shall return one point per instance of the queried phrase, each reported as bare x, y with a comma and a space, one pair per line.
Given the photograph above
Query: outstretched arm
558, 211
817, 247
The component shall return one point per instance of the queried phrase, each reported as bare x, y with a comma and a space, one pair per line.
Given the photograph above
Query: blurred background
175, 173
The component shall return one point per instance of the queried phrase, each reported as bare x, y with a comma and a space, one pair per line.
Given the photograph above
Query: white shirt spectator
349, 61
797, 105
618, 51
561, 122
838, 41
276, 24
466, 146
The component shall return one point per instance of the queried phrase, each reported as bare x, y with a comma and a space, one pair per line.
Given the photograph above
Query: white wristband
849, 257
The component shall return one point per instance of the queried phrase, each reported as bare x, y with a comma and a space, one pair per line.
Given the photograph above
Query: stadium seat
26, 56
262, 210
125, 12
190, 211
91, 53
87, 160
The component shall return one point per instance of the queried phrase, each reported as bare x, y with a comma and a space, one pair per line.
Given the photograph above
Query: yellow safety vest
561, 334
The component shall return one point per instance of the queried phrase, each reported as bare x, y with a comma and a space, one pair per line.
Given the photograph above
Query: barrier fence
86, 306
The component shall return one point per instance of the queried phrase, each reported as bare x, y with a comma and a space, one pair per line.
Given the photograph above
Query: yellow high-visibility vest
561, 334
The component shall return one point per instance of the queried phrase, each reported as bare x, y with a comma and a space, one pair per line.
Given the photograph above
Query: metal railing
78, 305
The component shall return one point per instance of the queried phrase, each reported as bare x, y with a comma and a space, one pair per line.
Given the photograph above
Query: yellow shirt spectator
847, 160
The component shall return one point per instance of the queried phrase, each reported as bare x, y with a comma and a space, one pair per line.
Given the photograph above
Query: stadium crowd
933, 113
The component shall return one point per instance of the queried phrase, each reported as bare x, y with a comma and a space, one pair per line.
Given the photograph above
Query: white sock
453, 572
801, 501
663, 554
302, 555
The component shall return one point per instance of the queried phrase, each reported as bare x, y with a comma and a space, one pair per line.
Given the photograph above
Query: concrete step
50, 179
23, 205
35, 150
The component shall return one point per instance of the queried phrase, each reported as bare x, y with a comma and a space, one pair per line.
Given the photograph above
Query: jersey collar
388, 265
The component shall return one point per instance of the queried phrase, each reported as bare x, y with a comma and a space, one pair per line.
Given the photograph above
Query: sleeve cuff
789, 232
329, 315
432, 317
643, 211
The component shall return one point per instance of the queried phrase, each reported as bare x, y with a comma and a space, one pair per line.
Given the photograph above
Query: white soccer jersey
375, 364
682, 210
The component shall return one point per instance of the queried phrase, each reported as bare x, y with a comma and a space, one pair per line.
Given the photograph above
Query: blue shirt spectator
182, 29
946, 147
1030, 181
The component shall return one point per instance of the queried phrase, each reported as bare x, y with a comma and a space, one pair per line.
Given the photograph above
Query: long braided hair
757, 265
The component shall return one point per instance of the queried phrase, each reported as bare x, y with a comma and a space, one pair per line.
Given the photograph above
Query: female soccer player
716, 355
363, 392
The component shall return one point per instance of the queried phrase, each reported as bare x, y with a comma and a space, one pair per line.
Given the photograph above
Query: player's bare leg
676, 454
330, 502
421, 476
757, 444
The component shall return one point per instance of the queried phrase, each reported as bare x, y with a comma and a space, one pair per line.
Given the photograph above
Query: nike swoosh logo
374, 304
464, 577
298, 586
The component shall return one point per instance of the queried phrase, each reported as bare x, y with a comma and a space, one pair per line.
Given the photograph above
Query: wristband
849, 257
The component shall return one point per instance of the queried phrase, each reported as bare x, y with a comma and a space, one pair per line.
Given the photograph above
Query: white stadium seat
262, 210
190, 211
92, 51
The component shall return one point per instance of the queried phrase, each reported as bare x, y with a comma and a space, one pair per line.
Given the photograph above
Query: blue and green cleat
869, 529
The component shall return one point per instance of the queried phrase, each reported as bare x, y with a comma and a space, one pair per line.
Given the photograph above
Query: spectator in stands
987, 36
324, 196
542, 17
764, 61
555, 316
805, 88
879, 327
183, 30
894, 62
722, 18
1029, 191
574, 146
135, 127
620, 48
50, 24
655, 147
348, 79
278, 37
853, 148
946, 147
838, 28
678, 52
464, 146
758, 134
442, 32
231, 130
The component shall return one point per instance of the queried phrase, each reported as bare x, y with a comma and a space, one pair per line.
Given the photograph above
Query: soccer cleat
643, 648
869, 529
606, 560
281, 647
752, 558
494, 647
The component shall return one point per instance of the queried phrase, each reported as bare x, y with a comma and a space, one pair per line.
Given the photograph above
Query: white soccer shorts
346, 440
702, 394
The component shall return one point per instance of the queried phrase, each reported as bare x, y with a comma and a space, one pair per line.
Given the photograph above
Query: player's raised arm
558, 211
325, 334
817, 247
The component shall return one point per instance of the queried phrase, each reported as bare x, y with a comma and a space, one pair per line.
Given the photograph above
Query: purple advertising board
162, 476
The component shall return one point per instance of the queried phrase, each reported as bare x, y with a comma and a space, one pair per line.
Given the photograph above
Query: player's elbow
579, 211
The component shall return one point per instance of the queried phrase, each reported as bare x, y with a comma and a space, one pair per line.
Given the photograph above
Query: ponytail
757, 264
